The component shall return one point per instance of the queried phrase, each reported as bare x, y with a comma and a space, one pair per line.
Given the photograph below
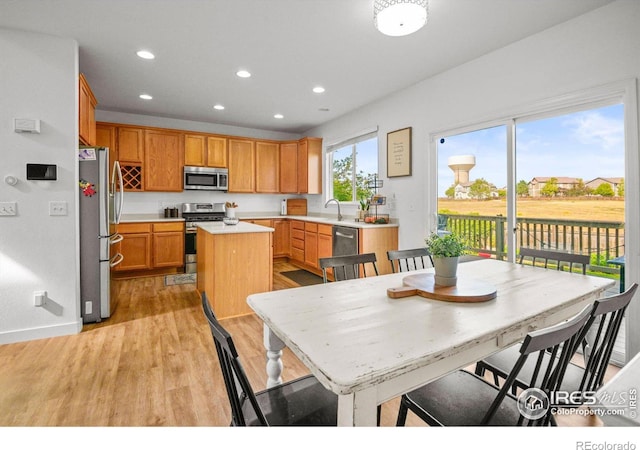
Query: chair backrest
561, 341
239, 391
600, 337
558, 257
407, 260
348, 267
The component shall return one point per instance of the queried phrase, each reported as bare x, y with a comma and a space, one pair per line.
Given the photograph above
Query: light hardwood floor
152, 364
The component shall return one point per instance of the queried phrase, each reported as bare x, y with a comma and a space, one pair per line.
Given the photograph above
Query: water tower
461, 165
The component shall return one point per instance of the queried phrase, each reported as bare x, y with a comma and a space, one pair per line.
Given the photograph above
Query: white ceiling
289, 46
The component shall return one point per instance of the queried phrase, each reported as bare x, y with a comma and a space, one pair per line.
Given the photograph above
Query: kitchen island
234, 261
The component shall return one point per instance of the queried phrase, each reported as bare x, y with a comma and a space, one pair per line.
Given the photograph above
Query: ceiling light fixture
145, 97
318, 89
145, 54
278, 116
399, 17
218, 107
243, 73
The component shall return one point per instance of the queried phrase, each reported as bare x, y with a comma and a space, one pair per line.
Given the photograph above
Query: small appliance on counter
193, 213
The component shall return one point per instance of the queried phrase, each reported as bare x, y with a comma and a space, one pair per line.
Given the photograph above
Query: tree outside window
353, 165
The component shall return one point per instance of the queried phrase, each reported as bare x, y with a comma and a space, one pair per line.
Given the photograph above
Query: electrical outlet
8, 209
39, 298
58, 209
88, 308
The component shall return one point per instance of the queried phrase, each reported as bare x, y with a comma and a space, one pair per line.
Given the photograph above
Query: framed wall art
399, 153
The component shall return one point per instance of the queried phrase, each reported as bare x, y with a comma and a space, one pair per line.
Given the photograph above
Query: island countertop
241, 227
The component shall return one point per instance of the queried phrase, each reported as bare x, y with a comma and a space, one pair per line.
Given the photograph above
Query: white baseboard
10, 337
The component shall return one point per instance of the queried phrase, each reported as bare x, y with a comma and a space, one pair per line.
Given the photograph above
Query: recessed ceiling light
278, 116
145, 97
145, 54
318, 89
218, 107
243, 73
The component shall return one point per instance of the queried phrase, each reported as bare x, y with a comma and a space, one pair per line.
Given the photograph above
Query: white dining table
369, 348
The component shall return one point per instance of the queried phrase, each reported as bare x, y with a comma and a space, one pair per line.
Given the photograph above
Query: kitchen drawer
134, 228
324, 229
297, 243
168, 226
297, 234
311, 227
297, 225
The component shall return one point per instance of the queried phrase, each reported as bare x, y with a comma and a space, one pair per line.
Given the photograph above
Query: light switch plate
8, 209
58, 208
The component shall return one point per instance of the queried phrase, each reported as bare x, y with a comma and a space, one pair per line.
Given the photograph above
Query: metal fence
602, 240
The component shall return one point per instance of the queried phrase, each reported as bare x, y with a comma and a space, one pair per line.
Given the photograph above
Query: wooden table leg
274, 347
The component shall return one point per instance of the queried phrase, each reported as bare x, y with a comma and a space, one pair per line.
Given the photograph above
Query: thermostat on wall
26, 125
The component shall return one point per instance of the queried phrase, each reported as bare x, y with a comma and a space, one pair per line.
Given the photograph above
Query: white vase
446, 269
231, 213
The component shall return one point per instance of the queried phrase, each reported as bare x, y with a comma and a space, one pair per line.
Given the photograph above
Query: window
353, 162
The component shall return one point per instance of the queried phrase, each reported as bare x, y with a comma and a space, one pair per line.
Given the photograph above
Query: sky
586, 144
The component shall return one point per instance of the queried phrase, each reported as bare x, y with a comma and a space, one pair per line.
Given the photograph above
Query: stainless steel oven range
193, 213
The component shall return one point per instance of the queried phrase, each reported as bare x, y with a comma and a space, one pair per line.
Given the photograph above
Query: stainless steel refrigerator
100, 207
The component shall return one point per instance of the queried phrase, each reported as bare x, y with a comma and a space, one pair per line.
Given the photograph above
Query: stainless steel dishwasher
345, 241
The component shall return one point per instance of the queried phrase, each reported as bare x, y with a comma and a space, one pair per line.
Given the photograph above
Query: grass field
573, 209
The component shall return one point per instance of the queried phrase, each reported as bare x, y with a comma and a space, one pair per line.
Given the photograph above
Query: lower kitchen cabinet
149, 248
311, 244
281, 238
297, 241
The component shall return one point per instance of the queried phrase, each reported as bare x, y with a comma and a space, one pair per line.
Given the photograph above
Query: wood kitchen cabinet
205, 151
289, 167
310, 165
135, 246
281, 238
163, 161
106, 136
242, 165
311, 244
378, 241
87, 115
150, 248
267, 167
168, 244
130, 144
297, 240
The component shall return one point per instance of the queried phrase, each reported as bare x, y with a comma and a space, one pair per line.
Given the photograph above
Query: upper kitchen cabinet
163, 160
130, 144
289, 167
310, 166
242, 165
267, 167
106, 136
205, 151
87, 108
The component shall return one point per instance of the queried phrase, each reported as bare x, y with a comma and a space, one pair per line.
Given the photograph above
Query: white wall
38, 252
598, 48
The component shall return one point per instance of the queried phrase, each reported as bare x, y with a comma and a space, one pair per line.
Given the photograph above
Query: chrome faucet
337, 203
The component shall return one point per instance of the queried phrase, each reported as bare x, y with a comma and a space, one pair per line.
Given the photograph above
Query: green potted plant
364, 207
445, 251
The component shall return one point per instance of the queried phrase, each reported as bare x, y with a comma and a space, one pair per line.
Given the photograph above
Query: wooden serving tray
467, 290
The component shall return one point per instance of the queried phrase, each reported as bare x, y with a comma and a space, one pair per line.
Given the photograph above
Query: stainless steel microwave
206, 178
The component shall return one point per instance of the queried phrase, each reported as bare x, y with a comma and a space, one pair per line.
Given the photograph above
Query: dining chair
606, 317
300, 402
463, 398
408, 260
553, 255
348, 267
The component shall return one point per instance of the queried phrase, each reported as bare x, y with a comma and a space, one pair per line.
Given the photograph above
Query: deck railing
603, 240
